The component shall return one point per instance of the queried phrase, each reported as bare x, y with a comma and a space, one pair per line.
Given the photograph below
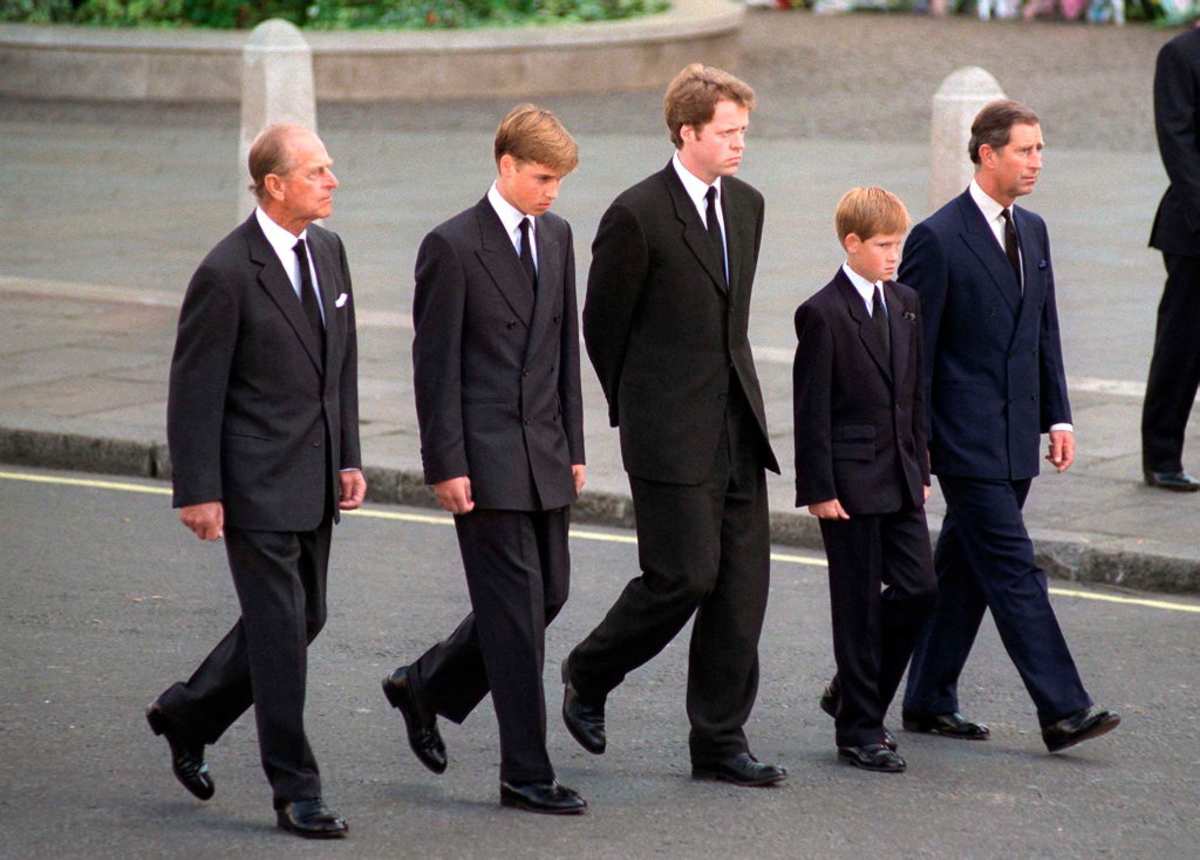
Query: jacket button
524, 372
527, 421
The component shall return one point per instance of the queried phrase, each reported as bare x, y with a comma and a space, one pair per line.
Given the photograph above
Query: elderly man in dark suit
665, 323
262, 421
1175, 365
496, 371
995, 379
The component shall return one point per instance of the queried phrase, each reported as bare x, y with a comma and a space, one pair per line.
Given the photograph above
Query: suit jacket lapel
329, 283
694, 233
500, 259
1031, 261
549, 268
862, 319
279, 287
902, 330
739, 235
982, 242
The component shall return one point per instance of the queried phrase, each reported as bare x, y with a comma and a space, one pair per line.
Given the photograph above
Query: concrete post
962, 94
277, 86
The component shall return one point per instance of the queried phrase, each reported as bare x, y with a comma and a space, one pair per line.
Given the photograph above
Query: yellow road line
86, 482
1128, 601
580, 534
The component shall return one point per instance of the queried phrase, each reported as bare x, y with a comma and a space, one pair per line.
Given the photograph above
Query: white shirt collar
990, 208
511, 217
281, 239
696, 188
863, 287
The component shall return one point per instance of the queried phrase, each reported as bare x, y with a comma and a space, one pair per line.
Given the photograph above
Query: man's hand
1062, 449
830, 510
579, 473
454, 495
928, 489
354, 489
206, 520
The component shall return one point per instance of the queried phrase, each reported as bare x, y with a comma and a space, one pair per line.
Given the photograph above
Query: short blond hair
533, 134
692, 97
868, 212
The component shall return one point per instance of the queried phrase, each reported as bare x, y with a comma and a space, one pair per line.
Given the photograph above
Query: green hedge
322, 14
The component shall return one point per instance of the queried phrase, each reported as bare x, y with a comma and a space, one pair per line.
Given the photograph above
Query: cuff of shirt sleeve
1070, 428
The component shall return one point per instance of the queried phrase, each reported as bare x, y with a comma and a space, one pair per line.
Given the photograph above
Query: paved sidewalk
108, 209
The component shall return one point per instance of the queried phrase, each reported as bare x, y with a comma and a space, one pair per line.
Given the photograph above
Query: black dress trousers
704, 549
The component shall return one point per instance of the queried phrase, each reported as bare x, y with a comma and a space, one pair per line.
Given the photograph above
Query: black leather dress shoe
741, 769
829, 704
876, 757
953, 725
423, 735
1180, 482
311, 819
584, 720
545, 797
187, 759
1080, 726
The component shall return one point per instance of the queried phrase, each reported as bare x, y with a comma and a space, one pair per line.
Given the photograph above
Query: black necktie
880, 318
527, 255
1012, 245
308, 296
714, 229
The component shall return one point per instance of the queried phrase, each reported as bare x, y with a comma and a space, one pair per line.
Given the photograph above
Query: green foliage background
323, 14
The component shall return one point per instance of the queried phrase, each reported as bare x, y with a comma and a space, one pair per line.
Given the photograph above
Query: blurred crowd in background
1170, 12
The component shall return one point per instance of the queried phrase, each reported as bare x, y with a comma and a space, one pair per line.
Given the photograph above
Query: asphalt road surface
108, 599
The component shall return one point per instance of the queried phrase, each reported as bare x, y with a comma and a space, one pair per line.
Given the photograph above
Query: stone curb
1064, 558
99, 64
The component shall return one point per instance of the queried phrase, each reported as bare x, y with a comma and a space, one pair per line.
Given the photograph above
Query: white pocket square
341, 300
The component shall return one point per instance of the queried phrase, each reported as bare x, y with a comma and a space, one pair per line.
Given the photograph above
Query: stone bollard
277, 86
962, 94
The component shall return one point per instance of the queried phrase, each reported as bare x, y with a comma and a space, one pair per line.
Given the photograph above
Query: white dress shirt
697, 190
283, 242
992, 214
865, 288
511, 217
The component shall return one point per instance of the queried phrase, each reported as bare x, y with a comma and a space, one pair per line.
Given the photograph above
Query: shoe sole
315, 834
715, 776
917, 729
1094, 732
514, 803
853, 762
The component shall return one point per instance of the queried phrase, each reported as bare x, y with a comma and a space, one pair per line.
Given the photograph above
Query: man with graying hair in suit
994, 376
665, 323
262, 423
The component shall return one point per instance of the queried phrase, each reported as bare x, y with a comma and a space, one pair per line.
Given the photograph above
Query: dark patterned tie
1012, 245
714, 229
527, 255
308, 295
880, 318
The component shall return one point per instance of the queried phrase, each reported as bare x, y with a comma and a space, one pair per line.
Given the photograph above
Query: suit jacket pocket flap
854, 450
854, 433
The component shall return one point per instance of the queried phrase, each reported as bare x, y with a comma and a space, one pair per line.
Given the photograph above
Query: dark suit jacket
993, 359
496, 374
667, 338
1177, 121
249, 411
859, 418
